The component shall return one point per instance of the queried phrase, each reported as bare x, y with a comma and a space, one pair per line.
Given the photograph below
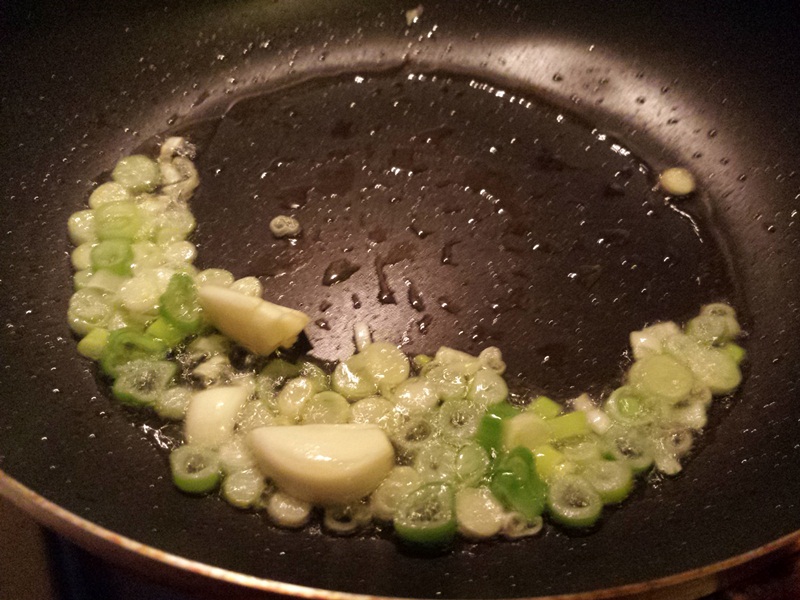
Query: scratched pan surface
489, 170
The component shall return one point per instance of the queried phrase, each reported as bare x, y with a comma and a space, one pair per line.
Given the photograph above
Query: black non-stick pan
499, 160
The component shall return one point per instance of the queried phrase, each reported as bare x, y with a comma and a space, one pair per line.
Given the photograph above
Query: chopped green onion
89, 308
400, 482
661, 376
627, 406
426, 518
195, 469
81, 257
612, 479
81, 279
219, 277
346, 520
106, 281
487, 387
569, 425
118, 220
526, 429
137, 173
472, 463
351, 378
549, 462
243, 488
420, 360
287, 511
172, 403
163, 330
325, 407
81, 227
573, 502
114, 255
712, 367
91, 346
480, 514
385, 364
414, 395
314, 373
449, 383
545, 407
294, 396
735, 351
458, 419
373, 409
141, 382
581, 449
517, 526
517, 485
490, 428
630, 446
279, 370
709, 329
179, 304
109, 192
126, 345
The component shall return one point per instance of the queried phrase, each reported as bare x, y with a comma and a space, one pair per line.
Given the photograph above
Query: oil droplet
447, 305
356, 301
614, 237
558, 77
447, 254
338, 271
325, 305
417, 229
415, 297
385, 293
424, 323
323, 324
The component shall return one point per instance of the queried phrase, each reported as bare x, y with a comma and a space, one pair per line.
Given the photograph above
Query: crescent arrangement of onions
430, 446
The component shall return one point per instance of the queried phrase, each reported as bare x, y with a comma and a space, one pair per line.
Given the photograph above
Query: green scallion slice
141, 382
517, 485
573, 502
117, 220
426, 517
126, 345
195, 470
93, 344
115, 255
179, 304
138, 173
612, 479
545, 407
163, 330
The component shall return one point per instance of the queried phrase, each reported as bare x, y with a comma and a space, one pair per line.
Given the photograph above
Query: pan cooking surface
381, 169
475, 216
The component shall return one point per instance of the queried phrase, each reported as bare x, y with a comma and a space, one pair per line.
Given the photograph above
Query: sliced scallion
195, 469
573, 502
426, 517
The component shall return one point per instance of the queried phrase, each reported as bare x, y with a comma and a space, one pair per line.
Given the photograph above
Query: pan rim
103, 542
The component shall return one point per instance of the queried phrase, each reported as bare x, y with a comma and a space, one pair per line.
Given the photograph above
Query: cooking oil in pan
525, 227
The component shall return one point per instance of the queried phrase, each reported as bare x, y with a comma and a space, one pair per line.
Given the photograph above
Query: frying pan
386, 167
